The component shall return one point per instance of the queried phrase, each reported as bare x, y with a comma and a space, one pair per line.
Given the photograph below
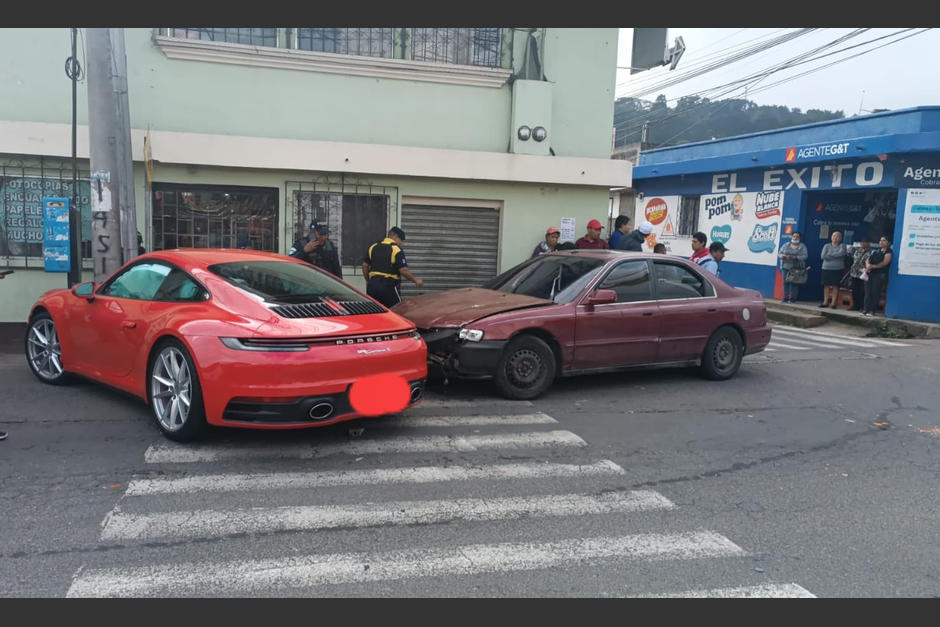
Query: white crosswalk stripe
422, 474
312, 570
448, 403
764, 591
175, 453
468, 421
177, 506
867, 340
207, 523
790, 338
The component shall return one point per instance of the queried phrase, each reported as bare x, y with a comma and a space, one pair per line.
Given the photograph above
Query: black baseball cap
397, 231
718, 246
314, 223
322, 228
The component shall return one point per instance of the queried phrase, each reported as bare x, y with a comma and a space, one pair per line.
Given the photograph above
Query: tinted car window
180, 287
674, 281
559, 278
284, 282
139, 282
631, 281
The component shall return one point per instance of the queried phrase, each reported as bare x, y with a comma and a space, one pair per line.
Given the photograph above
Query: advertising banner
55, 245
663, 213
748, 223
919, 252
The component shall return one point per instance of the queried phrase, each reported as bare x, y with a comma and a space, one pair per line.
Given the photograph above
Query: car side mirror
85, 290
602, 297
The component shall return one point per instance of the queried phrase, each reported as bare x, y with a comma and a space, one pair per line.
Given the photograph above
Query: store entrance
855, 214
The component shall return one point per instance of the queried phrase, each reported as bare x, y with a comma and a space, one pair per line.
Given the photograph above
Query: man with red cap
593, 237
550, 243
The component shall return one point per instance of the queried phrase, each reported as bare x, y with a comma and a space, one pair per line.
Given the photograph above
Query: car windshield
559, 278
284, 282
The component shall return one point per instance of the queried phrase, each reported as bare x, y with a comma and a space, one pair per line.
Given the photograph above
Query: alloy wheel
45, 354
171, 388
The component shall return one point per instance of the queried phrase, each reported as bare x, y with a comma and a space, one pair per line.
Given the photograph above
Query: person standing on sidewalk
877, 268
859, 256
833, 267
592, 239
793, 256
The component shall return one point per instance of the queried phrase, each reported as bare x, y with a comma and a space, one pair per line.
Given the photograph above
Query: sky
897, 76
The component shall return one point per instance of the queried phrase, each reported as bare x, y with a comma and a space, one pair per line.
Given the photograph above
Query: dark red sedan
231, 338
587, 311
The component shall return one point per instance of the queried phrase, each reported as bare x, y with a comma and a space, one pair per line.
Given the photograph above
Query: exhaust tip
416, 393
321, 411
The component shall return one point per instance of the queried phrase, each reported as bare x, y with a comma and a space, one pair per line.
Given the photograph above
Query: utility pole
75, 211
125, 160
103, 135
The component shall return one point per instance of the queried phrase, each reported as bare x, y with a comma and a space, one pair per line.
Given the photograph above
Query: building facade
874, 175
254, 132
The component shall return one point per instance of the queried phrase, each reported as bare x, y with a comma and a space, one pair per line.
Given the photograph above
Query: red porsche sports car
586, 311
225, 337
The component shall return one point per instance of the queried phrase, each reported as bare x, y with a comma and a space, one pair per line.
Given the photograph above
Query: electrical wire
73, 69
727, 60
787, 79
655, 75
752, 79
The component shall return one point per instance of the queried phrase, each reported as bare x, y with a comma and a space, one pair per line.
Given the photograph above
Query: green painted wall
192, 96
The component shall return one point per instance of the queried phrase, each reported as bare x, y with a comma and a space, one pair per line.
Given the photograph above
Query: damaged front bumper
459, 358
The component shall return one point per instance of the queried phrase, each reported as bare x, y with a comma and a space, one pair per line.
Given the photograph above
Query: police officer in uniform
384, 265
318, 250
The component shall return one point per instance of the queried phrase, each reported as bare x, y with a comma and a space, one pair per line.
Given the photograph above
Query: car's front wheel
174, 392
526, 368
723, 354
43, 352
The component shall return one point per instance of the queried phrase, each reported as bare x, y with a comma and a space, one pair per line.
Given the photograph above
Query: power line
727, 60
752, 79
810, 71
660, 73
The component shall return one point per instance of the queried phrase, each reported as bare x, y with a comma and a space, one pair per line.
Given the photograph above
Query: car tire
526, 368
723, 353
172, 380
43, 350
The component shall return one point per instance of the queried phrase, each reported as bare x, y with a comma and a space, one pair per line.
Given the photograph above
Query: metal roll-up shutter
449, 247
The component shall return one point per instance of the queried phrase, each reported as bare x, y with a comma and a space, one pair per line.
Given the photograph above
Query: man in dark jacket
318, 250
634, 239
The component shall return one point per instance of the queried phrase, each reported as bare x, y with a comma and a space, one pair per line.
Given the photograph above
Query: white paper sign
919, 252
567, 230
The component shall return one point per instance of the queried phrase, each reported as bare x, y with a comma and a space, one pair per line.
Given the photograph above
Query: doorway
855, 214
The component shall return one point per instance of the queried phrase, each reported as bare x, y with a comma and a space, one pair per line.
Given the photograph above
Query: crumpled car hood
455, 308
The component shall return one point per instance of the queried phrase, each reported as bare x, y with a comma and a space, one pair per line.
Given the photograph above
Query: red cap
552, 229
594, 224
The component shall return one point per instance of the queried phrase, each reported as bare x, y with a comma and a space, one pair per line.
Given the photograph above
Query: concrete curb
912, 328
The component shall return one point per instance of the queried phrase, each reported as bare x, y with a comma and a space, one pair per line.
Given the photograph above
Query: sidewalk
809, 314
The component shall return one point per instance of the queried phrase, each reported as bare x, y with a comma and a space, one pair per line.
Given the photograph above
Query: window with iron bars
23, 185
459, 46
214, 216
688, 216
356, 220
249, 36
367, 42
462, 46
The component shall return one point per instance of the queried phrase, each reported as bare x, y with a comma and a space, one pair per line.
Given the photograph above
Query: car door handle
647, 313
128, 325
712, 309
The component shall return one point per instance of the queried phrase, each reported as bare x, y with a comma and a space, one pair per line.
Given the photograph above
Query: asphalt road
813, 472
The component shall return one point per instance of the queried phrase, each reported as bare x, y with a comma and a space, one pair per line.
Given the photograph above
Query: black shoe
823, 305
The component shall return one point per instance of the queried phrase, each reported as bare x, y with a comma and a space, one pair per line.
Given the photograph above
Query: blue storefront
869, 176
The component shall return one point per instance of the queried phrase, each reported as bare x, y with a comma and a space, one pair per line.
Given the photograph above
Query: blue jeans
790, 291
